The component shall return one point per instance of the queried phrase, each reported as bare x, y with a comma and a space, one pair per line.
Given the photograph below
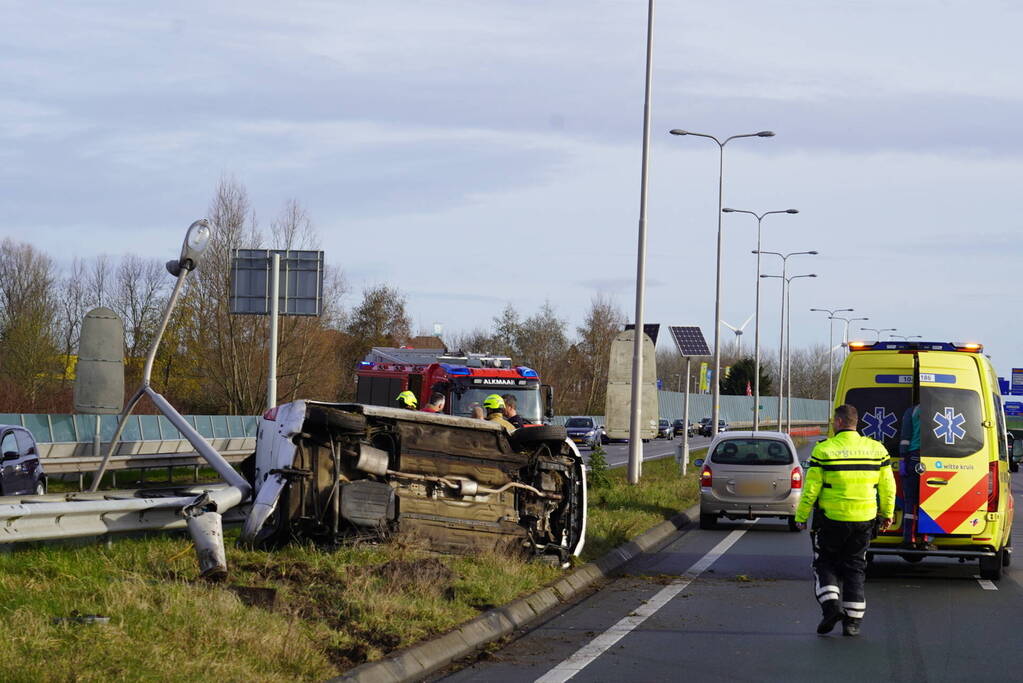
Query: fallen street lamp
756, 313
716, 389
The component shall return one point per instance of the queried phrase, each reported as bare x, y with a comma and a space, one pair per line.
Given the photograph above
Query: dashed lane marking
585, 655
986, 584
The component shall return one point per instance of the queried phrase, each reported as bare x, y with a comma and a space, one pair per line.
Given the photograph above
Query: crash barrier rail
67, 442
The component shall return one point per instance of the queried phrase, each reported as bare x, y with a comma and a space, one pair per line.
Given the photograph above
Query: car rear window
579, 422
751, 452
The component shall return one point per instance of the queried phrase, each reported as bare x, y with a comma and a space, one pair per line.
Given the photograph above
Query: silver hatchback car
748, 475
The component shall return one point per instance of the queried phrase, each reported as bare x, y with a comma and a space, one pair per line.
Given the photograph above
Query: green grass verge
301, 613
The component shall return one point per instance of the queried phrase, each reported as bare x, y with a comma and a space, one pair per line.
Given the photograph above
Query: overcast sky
476, 153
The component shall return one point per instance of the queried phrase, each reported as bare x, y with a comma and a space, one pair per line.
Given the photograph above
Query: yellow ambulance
965, 502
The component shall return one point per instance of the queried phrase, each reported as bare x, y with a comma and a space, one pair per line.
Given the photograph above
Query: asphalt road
735, 604
617, 454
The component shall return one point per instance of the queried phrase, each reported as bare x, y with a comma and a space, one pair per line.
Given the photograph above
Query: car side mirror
11, 455
698, 462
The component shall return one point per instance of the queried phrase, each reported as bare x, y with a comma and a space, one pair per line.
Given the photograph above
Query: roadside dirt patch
423, 574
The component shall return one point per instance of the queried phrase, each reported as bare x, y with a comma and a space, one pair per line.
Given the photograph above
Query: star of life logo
880, 424
949, 426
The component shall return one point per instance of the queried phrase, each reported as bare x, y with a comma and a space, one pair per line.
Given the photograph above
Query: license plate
752, 488
577, 439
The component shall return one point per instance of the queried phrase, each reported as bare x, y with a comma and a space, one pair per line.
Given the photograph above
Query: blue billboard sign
1013, 409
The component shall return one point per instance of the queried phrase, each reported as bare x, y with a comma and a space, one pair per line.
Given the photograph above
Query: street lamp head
765, 134
791, 210
678, 131
196, 240
814, 253
727, 210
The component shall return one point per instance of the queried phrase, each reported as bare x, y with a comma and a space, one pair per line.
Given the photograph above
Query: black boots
850, 627
832, 615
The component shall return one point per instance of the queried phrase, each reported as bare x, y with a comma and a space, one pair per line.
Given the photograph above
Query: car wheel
40, 488
708, 521
991, 567
913, 559
1006, 557
525, 438
792, 525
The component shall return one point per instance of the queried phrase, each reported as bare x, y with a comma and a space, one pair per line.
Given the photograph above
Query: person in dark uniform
510, 411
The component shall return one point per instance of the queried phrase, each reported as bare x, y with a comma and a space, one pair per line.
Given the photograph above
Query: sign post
256, 290
690, 342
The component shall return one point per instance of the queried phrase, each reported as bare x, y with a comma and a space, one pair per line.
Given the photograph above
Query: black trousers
840, 562
910, 496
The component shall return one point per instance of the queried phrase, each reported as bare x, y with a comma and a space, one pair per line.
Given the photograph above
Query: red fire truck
465, 379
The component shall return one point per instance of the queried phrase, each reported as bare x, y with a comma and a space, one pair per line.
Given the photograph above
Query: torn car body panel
330, 471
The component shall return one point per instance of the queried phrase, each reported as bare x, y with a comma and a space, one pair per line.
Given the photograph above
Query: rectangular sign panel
1013, 409
1016, 383
301, 281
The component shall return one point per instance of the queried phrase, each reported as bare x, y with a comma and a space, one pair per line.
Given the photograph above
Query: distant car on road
704, 429
585, 431
21, 471
664, 429
750, 474
679, 426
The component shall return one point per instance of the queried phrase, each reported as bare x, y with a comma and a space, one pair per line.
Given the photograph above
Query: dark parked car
705, 426
678, 426
21, 472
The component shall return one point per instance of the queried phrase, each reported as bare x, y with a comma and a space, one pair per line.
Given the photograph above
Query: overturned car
330, 472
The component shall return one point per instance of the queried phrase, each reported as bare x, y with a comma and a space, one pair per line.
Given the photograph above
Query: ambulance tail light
797, 478
992, 486
706, 477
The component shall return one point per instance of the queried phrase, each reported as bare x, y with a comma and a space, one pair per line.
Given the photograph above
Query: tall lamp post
781, 334
716, 389
787, 346
831, 349
845, 335
635, 425
756, 314
878, 331
904, 337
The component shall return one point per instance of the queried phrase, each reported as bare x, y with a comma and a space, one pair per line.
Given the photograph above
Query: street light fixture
781, 334
845, 335
831, 349
878, 331
716, 389
756, 313
787, 288
904, 337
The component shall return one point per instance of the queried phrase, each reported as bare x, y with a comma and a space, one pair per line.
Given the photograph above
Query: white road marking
986, 584
585, 655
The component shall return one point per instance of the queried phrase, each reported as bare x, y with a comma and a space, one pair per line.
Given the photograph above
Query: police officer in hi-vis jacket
848, 476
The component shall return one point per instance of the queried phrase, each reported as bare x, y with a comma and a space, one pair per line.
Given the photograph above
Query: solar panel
689, 340
651, 330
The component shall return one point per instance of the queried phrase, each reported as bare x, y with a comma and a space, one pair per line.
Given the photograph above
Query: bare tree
140, 288
603, 321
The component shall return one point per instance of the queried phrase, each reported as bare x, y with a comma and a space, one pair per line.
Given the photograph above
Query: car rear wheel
991, 567
1006, 557
708, 521
40, 488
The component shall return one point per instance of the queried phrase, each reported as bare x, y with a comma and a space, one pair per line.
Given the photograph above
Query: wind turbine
738, 335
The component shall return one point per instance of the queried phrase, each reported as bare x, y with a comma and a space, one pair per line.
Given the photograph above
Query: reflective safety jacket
847, 476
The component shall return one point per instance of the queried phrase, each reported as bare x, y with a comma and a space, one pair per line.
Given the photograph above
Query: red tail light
992, 486
797, 478
705, 476
271, 414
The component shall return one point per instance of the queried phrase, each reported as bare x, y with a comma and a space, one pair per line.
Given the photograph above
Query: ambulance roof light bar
967, 347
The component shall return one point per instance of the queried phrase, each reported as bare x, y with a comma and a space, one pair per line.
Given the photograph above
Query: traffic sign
689, 341
1016, 387
1013, 409
301, 278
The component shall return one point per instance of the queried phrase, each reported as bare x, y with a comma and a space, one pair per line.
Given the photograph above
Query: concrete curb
422, 659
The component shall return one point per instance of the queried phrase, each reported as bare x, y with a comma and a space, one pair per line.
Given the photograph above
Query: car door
9, 475
954, 485
30, 465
